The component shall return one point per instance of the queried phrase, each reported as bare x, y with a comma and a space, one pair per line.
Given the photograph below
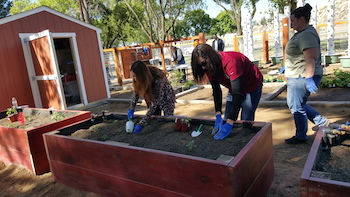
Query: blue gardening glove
281, 71
218, 124
130, 114
224, 131
137, 128
310, 85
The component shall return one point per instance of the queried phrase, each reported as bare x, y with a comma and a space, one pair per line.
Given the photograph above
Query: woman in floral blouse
152, 83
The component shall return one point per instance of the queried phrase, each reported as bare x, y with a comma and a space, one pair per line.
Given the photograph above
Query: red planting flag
21, 118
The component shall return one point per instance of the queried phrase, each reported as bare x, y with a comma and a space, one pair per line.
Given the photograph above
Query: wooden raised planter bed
118, 169
314, 186
25, 147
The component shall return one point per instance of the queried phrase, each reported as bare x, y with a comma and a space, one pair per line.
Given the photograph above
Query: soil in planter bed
34, 119
334, 163
160, 135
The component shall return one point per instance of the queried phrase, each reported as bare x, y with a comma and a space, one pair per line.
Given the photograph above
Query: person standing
218, 44
237, 73
178, 59
152, 83
304, 72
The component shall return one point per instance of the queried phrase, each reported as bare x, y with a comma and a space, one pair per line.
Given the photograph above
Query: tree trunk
84, 11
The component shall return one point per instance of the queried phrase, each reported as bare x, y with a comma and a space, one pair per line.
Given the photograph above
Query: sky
213, 9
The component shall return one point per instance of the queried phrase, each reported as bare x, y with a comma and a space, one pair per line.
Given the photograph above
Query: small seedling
11, 111
119, 130
186, 120
190, 145
104, 137
95, 128
214, 131
115, 121
56, 116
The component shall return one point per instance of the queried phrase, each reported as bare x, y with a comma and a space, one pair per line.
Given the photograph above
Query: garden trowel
198, 132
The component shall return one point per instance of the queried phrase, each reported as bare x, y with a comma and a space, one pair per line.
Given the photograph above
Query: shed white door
43, 71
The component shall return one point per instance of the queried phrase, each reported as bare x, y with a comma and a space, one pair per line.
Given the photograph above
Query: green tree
194, 22
5, 6
69, 7
236, 10
160, 16
119, 26
223, 24
280, 4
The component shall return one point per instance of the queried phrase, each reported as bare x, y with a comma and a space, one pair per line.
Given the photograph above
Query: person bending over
234, 71
152, 83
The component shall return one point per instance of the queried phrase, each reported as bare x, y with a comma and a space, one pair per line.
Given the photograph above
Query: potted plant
178, 123
185, 124
12, 114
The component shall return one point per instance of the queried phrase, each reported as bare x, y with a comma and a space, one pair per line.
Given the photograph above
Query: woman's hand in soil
218, 123
224, 131
137, 128
130, 114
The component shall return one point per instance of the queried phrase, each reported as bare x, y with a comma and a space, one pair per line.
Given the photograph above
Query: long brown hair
145, 76
212, 58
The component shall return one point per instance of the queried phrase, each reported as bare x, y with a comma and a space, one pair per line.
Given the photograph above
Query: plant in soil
190, 145
185, 124
11, 111
56, 116
12, 114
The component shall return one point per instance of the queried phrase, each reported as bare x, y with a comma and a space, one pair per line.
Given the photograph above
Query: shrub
188, 85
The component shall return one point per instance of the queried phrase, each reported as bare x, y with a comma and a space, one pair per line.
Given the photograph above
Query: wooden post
285, 35
201, 38
235, 43
266, 47
195, 42
161, 45
117, 66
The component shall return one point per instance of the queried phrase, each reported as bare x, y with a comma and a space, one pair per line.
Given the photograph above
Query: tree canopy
160, 16
69, 7
125, 22
280, 4
194, 22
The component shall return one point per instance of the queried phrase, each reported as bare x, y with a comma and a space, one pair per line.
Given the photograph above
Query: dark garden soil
161, 135
334, 162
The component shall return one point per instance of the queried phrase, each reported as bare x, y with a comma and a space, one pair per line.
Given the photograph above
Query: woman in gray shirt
303, 72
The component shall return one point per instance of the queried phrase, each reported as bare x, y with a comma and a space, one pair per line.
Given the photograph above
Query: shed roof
47, 9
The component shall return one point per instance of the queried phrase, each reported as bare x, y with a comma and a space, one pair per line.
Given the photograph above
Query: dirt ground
289, 159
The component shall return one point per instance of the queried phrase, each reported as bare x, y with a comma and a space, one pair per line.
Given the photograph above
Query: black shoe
295, 140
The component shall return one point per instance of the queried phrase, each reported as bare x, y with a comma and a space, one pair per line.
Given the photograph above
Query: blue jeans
249, 104
297, 96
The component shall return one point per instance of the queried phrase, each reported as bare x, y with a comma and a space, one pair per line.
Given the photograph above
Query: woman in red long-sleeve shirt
237, 73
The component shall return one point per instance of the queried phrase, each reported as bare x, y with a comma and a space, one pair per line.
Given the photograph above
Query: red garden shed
49, 59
